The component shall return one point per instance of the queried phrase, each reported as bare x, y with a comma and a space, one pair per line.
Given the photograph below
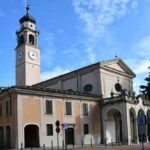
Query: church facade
94, 104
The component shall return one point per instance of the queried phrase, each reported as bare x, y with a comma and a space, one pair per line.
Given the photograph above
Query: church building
94, 104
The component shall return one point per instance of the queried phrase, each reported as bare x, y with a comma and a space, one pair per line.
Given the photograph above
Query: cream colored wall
32, 74
83, 79
70, 84
20, 75
57, 85
103, 80
91, 78
27, 70
116, 66
29, 112
109, 79
32, 111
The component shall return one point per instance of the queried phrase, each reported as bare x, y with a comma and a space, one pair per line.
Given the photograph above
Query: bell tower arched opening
31, 39
21, 40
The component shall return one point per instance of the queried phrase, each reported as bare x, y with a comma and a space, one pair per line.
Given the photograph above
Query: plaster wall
32, 111
109, 79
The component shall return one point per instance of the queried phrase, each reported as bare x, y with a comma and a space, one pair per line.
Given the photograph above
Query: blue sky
75, 33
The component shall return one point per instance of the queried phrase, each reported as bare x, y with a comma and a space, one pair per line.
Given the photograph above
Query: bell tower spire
27, 51
27, 9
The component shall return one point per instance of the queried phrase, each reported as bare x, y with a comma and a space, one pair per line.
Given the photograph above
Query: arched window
21, 39
31, 39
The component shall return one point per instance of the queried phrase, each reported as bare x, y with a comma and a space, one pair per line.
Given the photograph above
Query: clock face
33, 55
19, 55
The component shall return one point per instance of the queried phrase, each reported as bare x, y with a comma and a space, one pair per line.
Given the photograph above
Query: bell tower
27, 52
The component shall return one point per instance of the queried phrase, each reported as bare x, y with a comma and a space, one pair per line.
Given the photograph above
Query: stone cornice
51, 93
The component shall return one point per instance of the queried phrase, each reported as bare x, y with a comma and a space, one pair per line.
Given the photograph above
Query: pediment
118, 65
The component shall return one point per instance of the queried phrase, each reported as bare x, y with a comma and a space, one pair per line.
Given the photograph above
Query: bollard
111, 143
91, 142
130, 142
105, 143
43, 146
21, 146
52, 145
63, 144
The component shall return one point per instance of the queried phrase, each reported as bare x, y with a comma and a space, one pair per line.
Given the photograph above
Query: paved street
133, 147
126, 147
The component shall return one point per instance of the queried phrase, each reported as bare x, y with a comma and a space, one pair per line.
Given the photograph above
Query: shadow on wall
91, 134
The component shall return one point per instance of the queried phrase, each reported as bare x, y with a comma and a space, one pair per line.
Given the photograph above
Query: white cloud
142, 67
141, 63
97, 15
53, 73
91, 55
143, 47
139, 66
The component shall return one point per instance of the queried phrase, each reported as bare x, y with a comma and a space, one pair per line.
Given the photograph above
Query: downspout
101, 123
10, 98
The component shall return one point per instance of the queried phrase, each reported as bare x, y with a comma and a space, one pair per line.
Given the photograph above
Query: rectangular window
49, 107
1, 109
68, 108
49, 129
86, 129
85, 109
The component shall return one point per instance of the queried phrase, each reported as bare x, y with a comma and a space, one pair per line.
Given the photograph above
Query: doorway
31, 136
1, 137
69, 136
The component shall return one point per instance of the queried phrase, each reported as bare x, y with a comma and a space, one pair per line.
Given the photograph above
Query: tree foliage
145, 89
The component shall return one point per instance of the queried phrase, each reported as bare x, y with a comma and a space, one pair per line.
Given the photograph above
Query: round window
118, 87
88, 88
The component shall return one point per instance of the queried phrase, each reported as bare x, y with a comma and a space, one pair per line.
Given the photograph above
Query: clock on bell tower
27, 52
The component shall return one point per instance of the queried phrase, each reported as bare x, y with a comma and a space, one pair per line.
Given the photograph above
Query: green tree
145, 89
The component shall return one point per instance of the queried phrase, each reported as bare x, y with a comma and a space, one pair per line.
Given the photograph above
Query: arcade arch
113, 126
133, 127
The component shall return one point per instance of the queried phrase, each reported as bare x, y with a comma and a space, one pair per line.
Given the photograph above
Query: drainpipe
101, 123
10, 98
